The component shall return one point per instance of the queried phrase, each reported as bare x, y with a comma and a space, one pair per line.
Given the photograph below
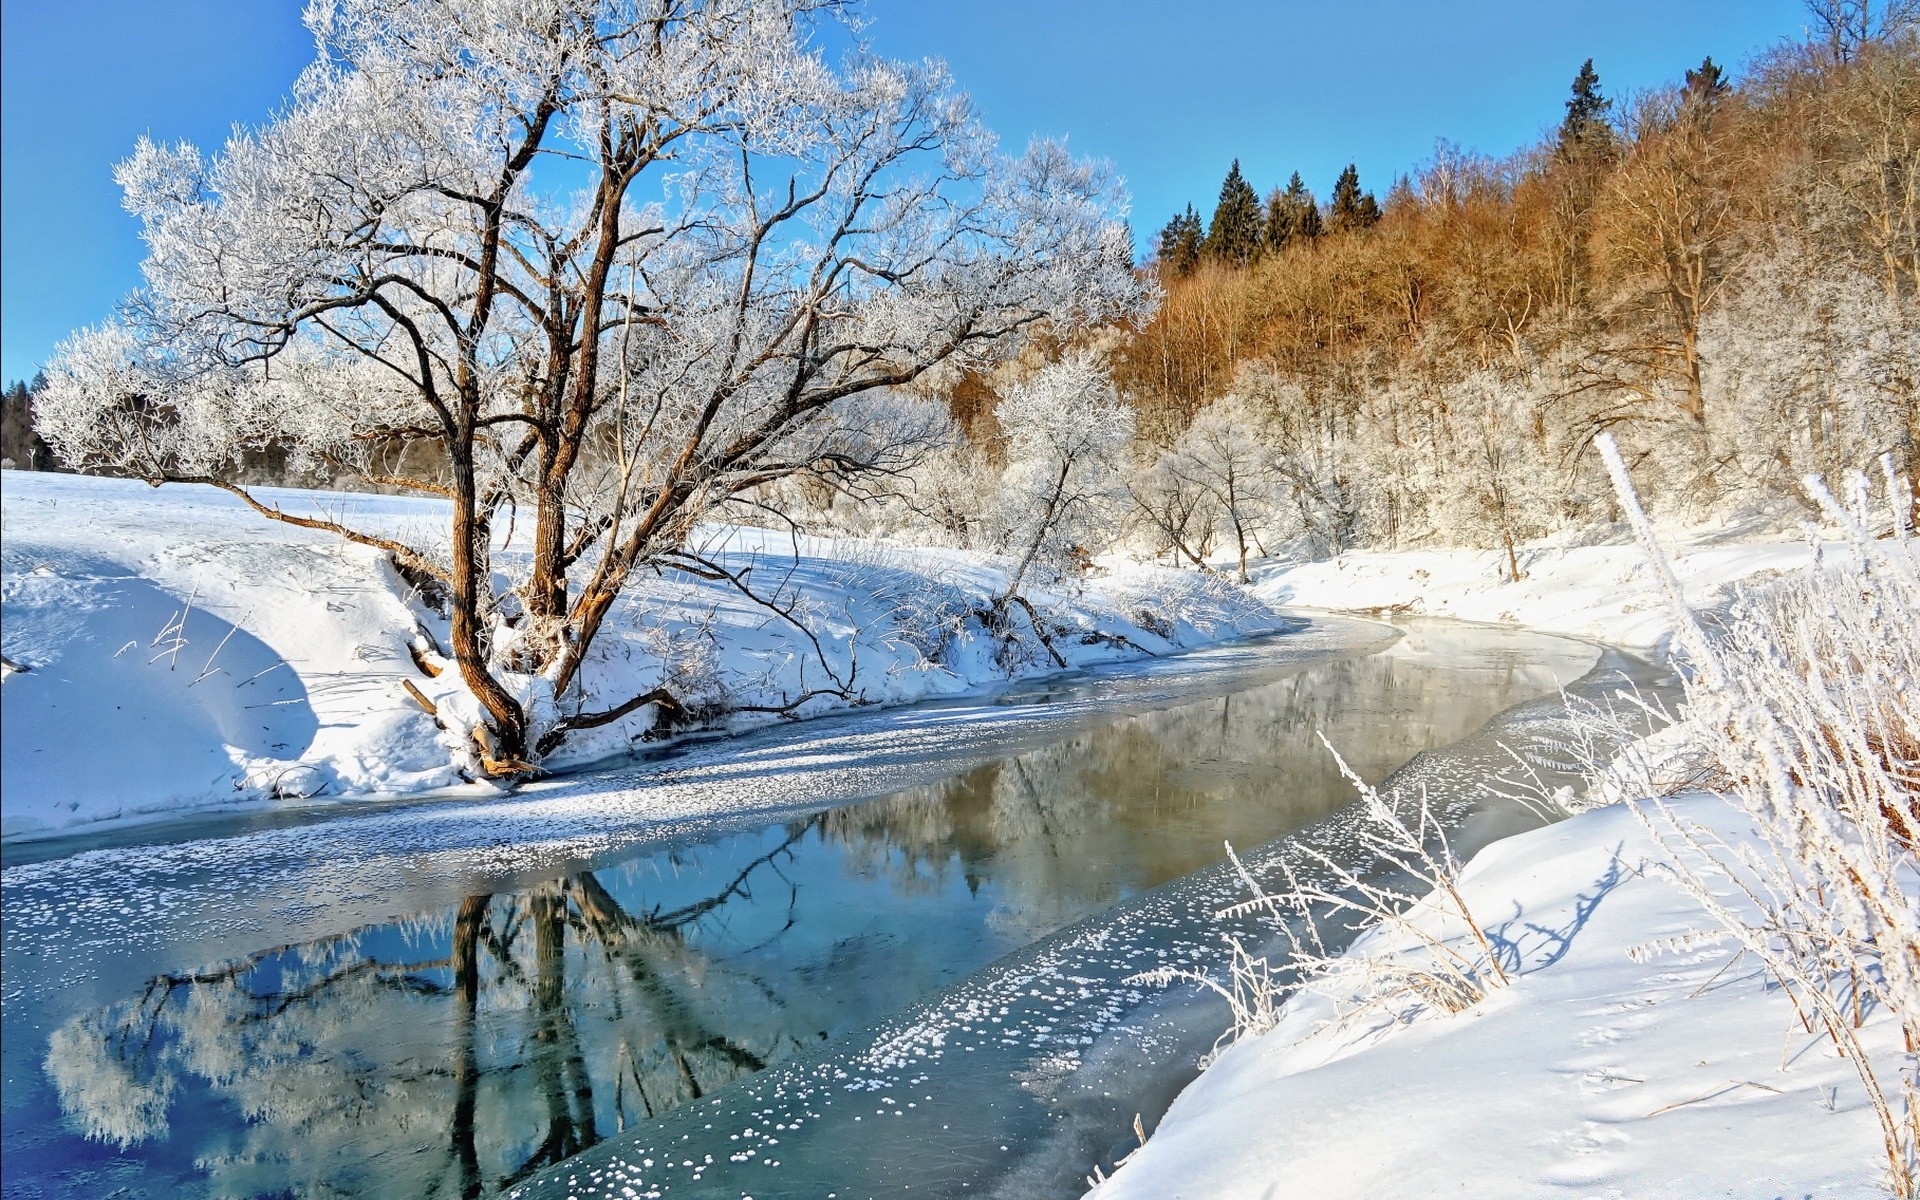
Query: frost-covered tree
1067, 434
1171, 512
589, 268
1224, 457
1306, 456
1816, 368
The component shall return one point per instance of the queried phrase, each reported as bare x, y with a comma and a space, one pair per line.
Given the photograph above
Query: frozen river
877, 955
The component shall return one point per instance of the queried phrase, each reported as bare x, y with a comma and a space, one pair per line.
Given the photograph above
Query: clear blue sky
1169, 92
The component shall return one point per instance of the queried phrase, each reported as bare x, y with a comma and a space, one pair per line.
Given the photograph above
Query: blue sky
1170, 93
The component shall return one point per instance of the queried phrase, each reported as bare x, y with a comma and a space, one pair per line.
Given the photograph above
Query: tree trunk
466, 1065
472, 556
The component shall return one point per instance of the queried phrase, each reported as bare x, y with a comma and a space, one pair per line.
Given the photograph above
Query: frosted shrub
1804, 706
1408, 884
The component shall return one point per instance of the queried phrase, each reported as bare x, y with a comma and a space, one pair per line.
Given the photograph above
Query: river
879, 954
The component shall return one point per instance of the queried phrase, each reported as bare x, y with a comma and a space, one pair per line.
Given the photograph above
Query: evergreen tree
1291, 214
1401, 196
1309, 215
20, 444
1236, 234
1585, 132
1352, 209
1706, 84
1179, 250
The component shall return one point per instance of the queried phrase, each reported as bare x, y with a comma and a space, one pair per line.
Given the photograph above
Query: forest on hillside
1722, 273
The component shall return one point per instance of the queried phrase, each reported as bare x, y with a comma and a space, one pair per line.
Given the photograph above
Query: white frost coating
604, 268
1066, 430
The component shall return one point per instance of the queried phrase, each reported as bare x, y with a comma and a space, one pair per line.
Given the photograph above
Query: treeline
1725, 273
21, 446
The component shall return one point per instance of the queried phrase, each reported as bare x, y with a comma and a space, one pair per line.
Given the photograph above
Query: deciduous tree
603, 263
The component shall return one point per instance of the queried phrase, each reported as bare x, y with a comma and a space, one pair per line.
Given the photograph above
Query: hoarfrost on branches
599, 268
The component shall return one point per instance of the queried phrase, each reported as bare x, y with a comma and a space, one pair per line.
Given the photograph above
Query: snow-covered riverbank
1594, 1075
1684, 987
182, 653
1606, 592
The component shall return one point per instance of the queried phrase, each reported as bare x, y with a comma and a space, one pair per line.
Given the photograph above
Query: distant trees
1292, 215
1181, 243
1844, 28
1351, 209
1244, 228
1236, 233
1724, 274
1585, 132
1668, 225
21, 446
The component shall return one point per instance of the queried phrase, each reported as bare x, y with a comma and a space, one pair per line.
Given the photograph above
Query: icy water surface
897, 968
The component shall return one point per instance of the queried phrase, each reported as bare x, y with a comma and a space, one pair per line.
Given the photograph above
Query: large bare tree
589, 267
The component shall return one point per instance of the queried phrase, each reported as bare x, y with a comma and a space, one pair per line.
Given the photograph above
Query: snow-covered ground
1637, 1051
1592, 1075
182, 653
1605, 592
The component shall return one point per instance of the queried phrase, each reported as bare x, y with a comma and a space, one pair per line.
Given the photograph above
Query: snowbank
1593, 1075
1606, 593
183, 653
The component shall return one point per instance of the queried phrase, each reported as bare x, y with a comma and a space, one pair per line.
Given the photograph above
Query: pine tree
1235, 236
1706, 84
1309, 215
1180, 241
21, 445
1292, 214
1352, 209
1585, 132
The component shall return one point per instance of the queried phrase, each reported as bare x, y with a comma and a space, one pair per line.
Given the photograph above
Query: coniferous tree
1180, 242
20, 444
1236, 234
1276, 230
1706, 84
1585, 133
1352, 209
1291, 214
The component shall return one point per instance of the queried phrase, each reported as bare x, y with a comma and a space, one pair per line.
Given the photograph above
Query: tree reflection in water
342, 1055
456, 1053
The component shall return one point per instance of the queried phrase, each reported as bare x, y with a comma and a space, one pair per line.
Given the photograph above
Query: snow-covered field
1606, 592
182, 653
1592, 1075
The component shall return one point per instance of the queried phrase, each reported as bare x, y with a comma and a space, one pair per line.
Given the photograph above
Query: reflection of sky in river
529, 1015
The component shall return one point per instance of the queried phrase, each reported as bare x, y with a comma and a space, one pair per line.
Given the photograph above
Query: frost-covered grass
1679, 992
181, 653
